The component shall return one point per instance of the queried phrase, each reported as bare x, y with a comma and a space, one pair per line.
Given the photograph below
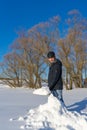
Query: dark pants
58, 94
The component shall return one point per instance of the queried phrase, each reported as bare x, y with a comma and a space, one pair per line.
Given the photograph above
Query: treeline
26, 64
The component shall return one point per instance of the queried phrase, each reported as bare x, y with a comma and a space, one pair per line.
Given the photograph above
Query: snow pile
42, 91
53, 116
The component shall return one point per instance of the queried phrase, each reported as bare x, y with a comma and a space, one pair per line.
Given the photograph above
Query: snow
42, 91
22, 108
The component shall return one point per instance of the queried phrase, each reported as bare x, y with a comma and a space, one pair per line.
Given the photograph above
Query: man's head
51, 56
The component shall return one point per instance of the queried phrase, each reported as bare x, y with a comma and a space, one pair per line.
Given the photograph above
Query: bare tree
73, 48
11, 71
31, 48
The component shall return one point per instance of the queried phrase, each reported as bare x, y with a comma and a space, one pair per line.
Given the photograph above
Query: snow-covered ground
21, 108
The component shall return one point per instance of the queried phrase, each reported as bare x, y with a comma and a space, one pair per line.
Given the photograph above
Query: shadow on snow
79, 107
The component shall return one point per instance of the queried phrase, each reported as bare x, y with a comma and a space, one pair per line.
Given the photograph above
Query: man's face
51, 60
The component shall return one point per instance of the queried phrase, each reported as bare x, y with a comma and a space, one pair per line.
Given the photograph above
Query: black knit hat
51, 54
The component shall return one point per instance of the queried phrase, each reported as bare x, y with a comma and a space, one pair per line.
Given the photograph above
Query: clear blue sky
16, 14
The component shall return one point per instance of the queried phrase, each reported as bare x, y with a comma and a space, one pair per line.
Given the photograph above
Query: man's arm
56, 74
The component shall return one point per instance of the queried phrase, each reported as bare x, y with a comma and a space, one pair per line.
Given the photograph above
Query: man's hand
50, 89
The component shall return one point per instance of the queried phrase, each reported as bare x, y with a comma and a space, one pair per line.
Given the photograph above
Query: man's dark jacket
55, 76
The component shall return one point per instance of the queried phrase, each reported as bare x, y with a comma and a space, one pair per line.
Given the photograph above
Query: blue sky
17, 14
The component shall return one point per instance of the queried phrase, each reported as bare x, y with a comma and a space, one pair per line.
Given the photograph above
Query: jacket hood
59, 62
56, 61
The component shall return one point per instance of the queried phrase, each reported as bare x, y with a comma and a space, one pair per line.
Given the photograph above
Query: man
55, 83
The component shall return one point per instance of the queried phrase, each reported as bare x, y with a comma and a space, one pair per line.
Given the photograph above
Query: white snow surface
42, 91
22, 108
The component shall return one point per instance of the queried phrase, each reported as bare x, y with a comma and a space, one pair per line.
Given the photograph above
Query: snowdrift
52, 115
42, 91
